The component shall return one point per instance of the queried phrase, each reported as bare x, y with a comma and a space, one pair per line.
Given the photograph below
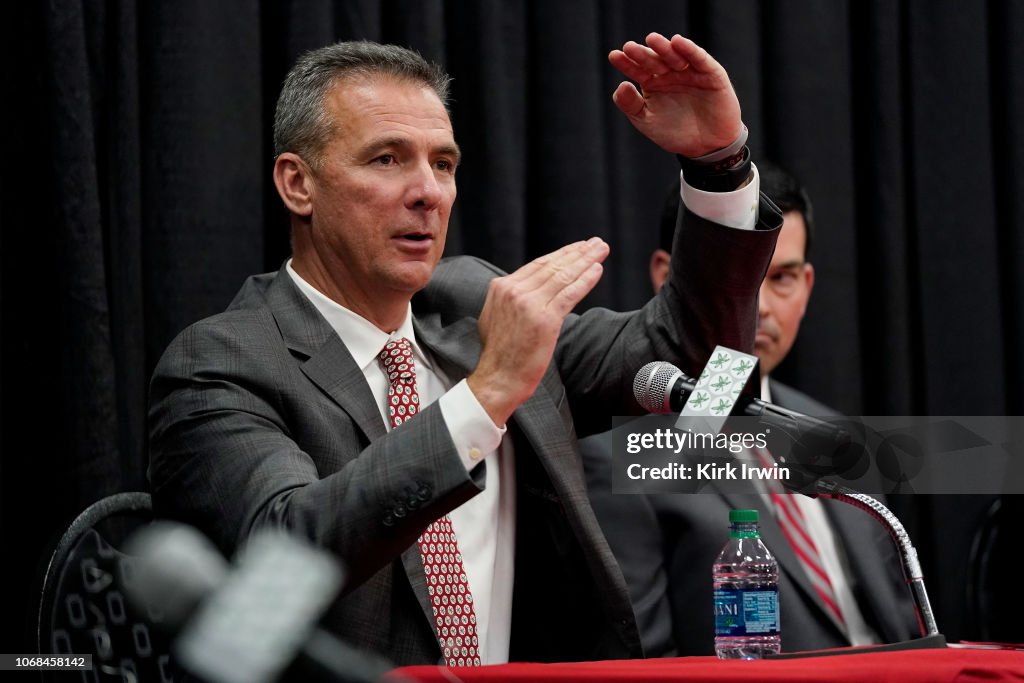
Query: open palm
685, 103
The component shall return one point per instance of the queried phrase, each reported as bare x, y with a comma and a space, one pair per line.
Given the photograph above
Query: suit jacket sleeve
710, 298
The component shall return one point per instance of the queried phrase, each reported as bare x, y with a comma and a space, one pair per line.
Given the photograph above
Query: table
912, 666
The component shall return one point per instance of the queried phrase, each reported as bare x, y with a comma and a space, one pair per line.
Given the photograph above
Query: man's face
784, 294
384, 190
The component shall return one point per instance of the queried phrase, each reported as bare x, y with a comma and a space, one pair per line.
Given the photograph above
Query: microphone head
177, 568
653, 384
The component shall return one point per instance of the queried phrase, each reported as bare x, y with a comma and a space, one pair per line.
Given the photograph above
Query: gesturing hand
521, 319
685, 104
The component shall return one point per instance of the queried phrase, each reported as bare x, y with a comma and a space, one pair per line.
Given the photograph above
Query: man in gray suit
460, 460
666, 544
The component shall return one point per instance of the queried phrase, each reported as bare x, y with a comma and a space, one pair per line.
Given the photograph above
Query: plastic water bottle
746, 588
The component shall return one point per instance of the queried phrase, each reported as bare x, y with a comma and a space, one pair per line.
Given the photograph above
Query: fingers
550, 275
664, 50
566, 299
661, 57
628, 99
570, 279
566, 266
532, 302
627, 66
694, 54
524, 273
646, 58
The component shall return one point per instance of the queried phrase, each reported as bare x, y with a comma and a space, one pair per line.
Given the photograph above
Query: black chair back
83, 609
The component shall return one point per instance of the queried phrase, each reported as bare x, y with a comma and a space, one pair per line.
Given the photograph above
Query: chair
83, 609
993, 610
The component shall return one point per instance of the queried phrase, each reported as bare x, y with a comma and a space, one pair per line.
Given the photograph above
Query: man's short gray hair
301, 123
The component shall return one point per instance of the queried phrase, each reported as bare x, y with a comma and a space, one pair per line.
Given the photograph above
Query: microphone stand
908, 555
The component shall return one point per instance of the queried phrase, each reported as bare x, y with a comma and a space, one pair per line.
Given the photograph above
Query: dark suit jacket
259, 417
666, 544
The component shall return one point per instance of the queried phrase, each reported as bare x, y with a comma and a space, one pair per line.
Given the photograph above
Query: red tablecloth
913, 666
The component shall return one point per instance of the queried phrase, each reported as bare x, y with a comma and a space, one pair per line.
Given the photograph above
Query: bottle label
746, 612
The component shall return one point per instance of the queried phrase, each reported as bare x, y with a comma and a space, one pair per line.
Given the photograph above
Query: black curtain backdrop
136, 196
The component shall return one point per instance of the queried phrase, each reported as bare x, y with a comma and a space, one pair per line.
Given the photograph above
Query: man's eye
385, 160
445, 165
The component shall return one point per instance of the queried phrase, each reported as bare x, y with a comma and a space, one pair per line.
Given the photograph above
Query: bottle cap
742, 516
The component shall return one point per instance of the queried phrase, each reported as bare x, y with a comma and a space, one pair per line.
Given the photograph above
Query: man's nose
763, 295
424, 187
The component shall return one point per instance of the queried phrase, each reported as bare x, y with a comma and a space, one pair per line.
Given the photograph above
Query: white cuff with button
469, 424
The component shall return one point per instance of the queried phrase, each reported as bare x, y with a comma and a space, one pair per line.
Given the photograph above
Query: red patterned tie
794, 527
447, 583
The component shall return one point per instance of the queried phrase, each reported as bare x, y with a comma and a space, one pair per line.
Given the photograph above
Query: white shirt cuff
472, 429
736, 209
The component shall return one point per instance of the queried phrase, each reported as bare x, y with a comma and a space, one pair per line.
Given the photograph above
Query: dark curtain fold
137, 196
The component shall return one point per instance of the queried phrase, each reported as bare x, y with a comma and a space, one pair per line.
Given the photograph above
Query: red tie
794, 527
447, 583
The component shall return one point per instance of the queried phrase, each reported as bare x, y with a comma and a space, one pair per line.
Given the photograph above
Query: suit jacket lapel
456, 347
328, 364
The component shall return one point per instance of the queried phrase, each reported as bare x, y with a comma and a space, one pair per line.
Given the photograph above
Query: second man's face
384, 190
784, 294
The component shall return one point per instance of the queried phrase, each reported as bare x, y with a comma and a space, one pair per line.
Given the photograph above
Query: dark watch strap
725, 175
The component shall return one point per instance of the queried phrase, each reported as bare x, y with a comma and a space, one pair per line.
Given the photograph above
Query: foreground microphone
250, 623
660, 387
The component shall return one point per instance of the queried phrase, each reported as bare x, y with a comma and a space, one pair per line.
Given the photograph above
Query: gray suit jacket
666, 544
259, 417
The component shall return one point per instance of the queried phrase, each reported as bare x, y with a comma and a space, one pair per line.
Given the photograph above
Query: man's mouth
418, 243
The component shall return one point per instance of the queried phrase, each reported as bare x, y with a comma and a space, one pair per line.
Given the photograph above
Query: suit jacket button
388, 520
399, 511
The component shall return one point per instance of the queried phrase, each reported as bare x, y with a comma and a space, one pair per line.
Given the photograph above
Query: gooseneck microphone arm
908, 555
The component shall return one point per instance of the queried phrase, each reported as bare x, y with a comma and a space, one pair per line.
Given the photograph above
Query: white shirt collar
766, 393
363, 339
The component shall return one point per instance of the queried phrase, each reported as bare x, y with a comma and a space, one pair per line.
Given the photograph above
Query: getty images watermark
874, 455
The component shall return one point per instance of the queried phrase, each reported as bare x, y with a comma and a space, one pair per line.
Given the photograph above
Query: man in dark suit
667, 543
418, 418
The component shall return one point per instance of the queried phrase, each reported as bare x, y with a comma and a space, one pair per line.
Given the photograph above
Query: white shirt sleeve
736, 209
474, 433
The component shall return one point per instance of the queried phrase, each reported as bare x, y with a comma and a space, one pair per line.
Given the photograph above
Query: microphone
249, 623
660, 387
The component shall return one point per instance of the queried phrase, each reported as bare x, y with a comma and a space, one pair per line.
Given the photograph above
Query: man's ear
294, 181
659, 268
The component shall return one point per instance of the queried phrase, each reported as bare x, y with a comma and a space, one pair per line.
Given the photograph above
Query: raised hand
685, 103
521, 319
